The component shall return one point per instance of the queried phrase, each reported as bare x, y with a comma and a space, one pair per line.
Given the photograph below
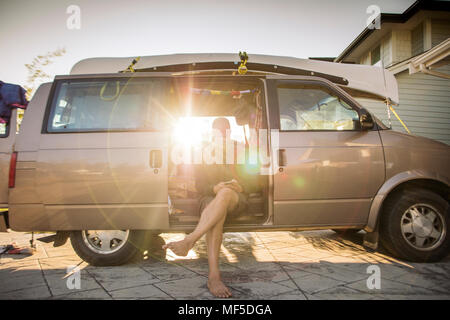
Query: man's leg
226, 199
213, 242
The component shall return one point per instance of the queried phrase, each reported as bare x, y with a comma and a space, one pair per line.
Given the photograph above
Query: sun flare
192, 131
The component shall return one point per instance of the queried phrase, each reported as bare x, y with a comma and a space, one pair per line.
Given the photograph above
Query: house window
375, 55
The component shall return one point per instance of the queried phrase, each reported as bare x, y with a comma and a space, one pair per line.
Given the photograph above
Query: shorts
241, 206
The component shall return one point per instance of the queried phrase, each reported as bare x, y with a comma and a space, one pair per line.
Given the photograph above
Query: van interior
194, 105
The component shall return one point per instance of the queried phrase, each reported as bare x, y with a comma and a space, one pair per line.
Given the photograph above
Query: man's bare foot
218, 288
180, 248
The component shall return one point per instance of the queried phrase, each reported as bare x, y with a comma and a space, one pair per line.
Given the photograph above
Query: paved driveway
270, 265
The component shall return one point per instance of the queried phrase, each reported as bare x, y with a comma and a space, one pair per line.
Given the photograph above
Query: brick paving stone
139, 292
164, 271
390, 287
266, 265
39, 292
95, 294
188, 288
261, 289
120, 277
343, 293
9, 284
57, 283
313, 283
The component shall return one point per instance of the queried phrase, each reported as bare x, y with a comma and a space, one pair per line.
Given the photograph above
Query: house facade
415, 46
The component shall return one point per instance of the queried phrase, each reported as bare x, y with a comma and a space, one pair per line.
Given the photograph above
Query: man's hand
233, 185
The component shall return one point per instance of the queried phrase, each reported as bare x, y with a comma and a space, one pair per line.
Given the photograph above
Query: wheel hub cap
423, 227
105, 241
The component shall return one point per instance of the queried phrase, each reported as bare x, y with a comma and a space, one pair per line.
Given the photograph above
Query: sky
114, 28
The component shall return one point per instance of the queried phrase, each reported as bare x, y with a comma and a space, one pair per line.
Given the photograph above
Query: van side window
305, 107
104, 105
3, 130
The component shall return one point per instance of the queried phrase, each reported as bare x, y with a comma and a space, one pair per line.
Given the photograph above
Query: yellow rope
397, 116
102, 91
118, 91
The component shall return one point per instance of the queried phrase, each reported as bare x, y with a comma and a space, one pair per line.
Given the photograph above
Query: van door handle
156, 159
282, 161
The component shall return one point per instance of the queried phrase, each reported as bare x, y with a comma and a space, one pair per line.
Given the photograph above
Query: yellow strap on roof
131, 66
398, 117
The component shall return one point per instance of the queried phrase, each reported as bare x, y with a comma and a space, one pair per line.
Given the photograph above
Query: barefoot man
222, 195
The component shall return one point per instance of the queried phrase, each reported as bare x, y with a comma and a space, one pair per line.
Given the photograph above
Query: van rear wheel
106, 247
415, 225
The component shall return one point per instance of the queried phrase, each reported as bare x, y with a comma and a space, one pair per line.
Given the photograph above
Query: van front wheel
106, 247
415, 225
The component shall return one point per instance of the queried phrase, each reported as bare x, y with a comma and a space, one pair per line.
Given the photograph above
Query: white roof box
370, 79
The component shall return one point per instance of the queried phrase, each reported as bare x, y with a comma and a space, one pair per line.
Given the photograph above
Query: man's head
222, 125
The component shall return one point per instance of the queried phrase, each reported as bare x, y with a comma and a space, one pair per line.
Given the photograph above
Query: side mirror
366, 121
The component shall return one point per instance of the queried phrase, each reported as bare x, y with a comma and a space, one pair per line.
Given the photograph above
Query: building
415, 46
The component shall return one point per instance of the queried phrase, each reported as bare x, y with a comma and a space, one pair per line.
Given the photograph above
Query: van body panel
408, 152
5, 157
409, 158
26, 146
6, 148
3, 226
35, 217
26, 187
331, 177
30, 129
101, 168
330, 165
333, 212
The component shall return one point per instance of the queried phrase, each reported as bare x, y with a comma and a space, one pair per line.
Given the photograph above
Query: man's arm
232, 184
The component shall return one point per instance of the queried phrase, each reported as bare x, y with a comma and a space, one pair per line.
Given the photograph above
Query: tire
414, 225
344, 232
87, 247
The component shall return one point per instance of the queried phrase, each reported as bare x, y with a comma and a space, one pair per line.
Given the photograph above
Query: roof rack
251, 66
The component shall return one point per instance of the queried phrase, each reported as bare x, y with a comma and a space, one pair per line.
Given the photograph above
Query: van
106, 157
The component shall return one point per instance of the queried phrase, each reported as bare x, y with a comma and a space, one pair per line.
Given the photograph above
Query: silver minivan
108, 157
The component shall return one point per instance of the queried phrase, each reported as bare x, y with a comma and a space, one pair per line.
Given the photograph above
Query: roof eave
395, 18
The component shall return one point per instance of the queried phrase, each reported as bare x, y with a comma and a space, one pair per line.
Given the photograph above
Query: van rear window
107, 105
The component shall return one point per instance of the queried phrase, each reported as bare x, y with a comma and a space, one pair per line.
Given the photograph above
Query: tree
37, 75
